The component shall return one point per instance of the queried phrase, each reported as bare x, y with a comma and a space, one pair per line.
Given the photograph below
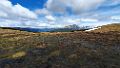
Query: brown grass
93, 49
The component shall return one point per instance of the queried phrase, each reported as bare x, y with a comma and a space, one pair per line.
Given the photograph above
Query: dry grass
109, 27
94, 49
18, 54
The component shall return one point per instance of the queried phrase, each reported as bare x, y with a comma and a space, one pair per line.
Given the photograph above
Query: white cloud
79, 13
74, 21
14, 15
115, 17
50, 18
85, 5
15, 10
77, 6
23, 12
56, 6
8, 23
111, 2
3, 14
88, 20
42, 11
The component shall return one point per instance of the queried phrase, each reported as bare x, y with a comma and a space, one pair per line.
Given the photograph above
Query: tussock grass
95, 49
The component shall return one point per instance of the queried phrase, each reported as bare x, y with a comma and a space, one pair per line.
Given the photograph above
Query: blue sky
30, 4
58, 13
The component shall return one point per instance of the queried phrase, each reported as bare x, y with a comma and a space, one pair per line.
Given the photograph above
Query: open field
95, 49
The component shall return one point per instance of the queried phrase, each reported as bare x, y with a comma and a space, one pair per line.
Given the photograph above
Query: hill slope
109, 27
20, 49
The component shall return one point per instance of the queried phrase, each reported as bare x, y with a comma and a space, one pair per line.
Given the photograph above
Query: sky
58, 13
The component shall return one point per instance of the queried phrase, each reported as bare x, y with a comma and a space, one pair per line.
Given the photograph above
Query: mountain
74, 27
28, 29
71, 28
34, 29
67, 28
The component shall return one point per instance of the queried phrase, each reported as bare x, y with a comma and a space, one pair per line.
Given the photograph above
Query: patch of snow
93, 28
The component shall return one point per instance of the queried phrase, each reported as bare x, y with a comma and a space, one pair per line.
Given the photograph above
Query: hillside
109, 27
95, 49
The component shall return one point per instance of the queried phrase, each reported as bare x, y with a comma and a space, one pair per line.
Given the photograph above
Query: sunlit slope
109, 27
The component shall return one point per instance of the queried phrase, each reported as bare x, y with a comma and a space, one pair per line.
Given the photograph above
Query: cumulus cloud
89, 20
85, 5
76, 6
12, 15
73, 21
88, 11
23, 12
58, 13
16, 10
50, 18
3, 14
42, 11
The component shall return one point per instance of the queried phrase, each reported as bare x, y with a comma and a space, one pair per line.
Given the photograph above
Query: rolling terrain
99, 48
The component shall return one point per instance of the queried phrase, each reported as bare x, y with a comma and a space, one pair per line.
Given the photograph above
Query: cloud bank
14, 14
58, 13
76, 6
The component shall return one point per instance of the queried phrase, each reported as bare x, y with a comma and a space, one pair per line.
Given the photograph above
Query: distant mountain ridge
67, 28
72, 28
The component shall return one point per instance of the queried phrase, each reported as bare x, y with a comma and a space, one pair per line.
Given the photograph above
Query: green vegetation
95, 49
